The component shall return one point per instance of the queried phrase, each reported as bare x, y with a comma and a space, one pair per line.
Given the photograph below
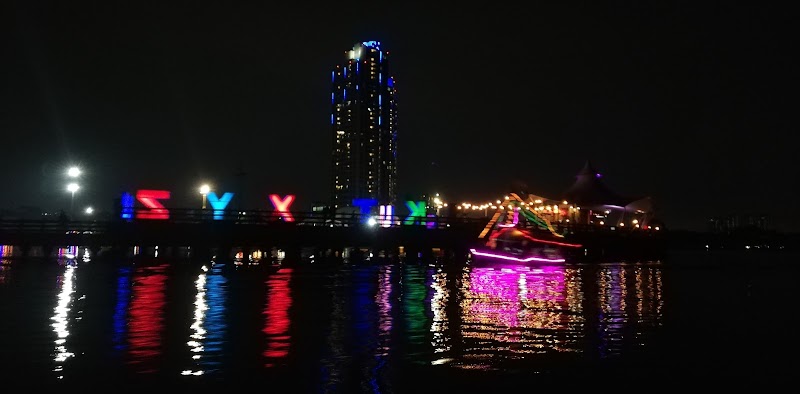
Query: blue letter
365, 205
127, 206
219, 204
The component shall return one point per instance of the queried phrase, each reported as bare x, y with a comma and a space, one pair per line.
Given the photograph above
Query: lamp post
72, 188
204, 192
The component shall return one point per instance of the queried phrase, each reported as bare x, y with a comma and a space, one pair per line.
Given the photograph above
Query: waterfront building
587, 203
364, 127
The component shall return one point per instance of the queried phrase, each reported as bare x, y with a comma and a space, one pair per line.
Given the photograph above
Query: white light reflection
61, 318
198, 332
440, 324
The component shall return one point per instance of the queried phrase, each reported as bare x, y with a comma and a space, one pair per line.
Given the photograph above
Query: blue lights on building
364, 159
372, 44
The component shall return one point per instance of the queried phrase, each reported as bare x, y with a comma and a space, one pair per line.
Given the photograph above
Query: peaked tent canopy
589, 190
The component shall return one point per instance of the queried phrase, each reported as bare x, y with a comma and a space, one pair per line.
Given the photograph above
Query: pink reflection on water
503, 291
384, 303
277, 321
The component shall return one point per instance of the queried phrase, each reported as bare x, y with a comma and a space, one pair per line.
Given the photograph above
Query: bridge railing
267, 218
212, 217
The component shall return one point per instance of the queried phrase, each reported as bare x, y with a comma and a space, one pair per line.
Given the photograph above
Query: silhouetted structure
598, 203
731, 223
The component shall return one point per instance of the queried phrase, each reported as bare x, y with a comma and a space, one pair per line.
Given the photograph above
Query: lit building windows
364, 167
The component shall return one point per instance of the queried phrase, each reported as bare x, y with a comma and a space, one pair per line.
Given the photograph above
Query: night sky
685, 103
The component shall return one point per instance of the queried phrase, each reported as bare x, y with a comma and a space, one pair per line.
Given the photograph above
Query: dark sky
690, 104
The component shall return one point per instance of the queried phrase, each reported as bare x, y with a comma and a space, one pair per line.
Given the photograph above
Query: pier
201, 235
204, 234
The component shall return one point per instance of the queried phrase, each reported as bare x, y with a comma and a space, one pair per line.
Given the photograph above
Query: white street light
74, 172
72, 188
204, 191
89, 210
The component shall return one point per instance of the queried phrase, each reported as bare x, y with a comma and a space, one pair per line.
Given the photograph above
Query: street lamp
73, 172
72, 188
204, 191
89, 210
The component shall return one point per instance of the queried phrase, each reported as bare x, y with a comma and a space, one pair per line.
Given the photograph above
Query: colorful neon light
127, 206
525, 234
386, 215
219, 203
517, 259
365, 207
282, 206
416, 211
431, 223
149, 198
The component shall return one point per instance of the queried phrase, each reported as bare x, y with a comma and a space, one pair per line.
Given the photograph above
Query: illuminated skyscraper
364, 127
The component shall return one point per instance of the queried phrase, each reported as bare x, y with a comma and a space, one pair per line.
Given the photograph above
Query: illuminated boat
517, 234
525, 246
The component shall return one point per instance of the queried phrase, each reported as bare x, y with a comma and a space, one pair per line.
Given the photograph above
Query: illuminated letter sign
149, 198
219, 203
386, 215
365, 207
416, 211
282, 206
127, 206
432, 223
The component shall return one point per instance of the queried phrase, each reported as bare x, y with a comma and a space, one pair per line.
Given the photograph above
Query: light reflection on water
146, 318
353, 324
513, 312
276, 318
61, 318
5, 270
208, 328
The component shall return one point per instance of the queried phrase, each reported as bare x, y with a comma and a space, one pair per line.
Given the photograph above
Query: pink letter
282, 206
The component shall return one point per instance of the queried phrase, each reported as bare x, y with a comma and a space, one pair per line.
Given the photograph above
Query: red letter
149, 198
282, 206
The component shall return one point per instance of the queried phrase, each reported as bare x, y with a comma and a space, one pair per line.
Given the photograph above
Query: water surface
400, 326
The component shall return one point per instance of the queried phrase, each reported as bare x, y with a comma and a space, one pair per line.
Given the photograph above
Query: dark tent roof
589, 190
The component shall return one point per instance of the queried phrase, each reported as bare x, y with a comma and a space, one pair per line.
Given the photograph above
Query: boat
517, 234
524, 246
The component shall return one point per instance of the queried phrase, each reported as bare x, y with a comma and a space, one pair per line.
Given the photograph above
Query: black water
402, 326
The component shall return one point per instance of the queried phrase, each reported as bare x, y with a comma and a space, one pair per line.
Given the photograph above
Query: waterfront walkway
207, 234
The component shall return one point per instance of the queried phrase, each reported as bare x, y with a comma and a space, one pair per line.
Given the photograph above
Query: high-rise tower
364, 127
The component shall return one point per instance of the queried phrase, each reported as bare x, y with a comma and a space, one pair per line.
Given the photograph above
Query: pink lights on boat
513, 258
527, 235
